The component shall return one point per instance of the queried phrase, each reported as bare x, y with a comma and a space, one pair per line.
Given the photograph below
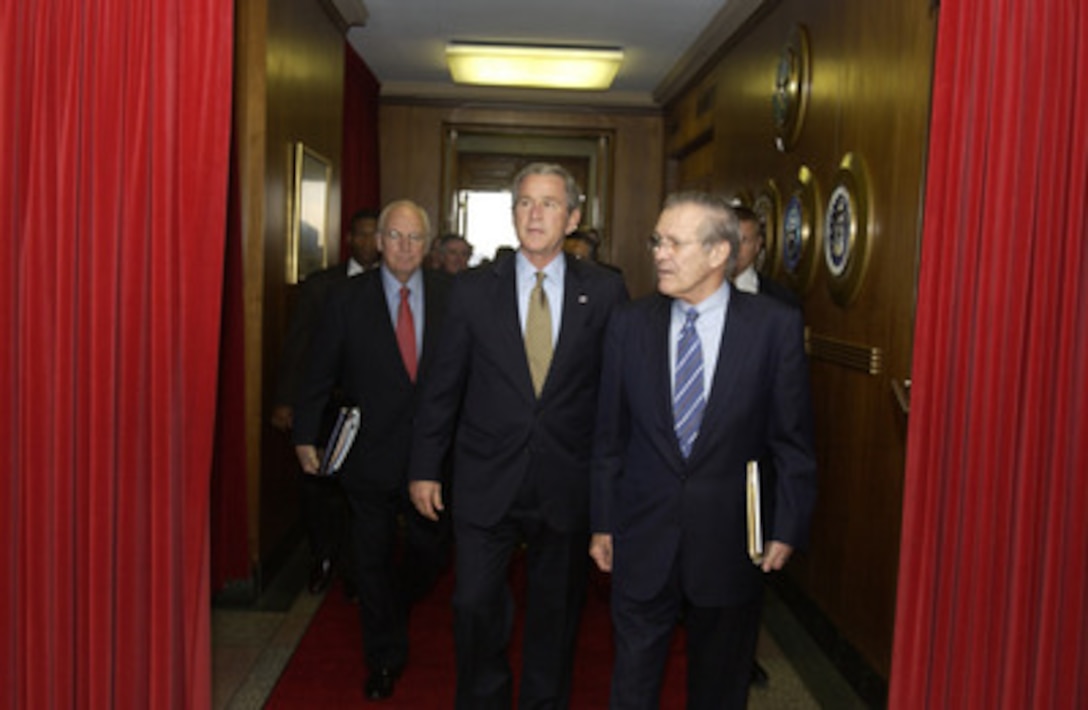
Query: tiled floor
252, 645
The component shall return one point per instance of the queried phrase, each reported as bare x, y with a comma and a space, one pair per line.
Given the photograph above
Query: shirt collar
747, 281
414, 284
555, 270
715, 301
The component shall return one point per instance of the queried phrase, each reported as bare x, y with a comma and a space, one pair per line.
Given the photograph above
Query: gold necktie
538, 334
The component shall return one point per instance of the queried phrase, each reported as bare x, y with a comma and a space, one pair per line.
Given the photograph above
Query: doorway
479, 166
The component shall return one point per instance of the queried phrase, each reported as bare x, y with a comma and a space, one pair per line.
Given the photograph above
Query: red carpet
327, 671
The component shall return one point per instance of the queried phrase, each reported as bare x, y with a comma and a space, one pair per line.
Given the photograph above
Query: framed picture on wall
307, 213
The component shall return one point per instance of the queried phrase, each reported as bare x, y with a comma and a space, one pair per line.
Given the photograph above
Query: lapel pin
583, 299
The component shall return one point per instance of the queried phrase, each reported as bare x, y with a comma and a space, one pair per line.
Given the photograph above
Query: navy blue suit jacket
660, 508
355, 349
481, 385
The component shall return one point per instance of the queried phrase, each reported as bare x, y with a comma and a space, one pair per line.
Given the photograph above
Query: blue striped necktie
688, 401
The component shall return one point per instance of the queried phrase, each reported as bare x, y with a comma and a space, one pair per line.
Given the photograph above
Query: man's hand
600, 549
427, 498
307, 459
283, 417
778, 553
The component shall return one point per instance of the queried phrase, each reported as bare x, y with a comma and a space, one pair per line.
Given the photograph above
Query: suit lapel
432, 302
657, 347
508, 324
576, 304
384, 333
736, 344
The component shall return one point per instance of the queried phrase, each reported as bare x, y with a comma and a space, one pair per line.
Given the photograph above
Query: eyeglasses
656, 242
395, 236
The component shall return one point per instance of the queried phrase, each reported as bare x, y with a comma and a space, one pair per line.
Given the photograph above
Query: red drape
115, 122
230, 553
993, 580
359, 182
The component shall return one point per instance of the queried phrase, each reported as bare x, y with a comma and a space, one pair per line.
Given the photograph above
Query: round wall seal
847, 233
799, 236
791, 89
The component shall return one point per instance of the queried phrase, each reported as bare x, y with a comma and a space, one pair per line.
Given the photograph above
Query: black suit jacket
661, 509
307, 314
776, 290
355, 350
481, 372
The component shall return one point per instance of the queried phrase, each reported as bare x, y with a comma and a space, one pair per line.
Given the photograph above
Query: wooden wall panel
289, 87
871, 73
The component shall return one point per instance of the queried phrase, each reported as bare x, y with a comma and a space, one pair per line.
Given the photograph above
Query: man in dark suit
377, 334
321, 498
515, 390
697, 380
749, 255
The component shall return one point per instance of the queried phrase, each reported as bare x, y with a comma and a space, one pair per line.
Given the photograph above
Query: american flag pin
583, 299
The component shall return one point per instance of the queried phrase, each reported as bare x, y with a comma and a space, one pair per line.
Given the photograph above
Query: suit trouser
556, 573
324, 515
721, 646
389, 579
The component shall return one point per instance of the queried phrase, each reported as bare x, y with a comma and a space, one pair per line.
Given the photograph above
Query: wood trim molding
346, 14
733, 16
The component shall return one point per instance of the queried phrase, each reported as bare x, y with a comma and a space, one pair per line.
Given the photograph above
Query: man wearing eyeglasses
697, 380
514, 393
374, 343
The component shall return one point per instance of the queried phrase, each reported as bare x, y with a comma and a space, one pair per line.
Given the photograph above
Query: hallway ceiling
403, 41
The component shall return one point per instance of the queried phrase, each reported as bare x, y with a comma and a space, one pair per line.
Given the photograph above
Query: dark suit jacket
503, 430
660, 508
307, 314
776, 290
355, 349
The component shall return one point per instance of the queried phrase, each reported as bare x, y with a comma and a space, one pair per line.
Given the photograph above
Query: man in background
323, 508
749, 256
454, 253
374, 344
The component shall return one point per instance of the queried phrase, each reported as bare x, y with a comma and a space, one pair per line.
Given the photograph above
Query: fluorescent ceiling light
533, 66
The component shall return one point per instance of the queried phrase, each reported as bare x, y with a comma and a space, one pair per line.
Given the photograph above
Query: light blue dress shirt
554, 274
415, 301
709, 325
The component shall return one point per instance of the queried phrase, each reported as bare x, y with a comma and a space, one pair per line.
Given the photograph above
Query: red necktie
406, 334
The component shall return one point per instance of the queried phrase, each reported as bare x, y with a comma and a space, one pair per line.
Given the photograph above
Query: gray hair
383, 218
720, 223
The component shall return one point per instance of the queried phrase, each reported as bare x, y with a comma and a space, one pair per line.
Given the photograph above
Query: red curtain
359, 184
230, 553
115, 124
993, 579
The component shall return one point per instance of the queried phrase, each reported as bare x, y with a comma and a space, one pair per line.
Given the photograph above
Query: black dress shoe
759, 676
379, 685
320, 576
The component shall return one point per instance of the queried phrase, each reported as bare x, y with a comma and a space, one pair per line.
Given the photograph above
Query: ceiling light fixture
542, 67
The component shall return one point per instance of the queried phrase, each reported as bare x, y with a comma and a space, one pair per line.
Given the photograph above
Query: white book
340, 440
755, 513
